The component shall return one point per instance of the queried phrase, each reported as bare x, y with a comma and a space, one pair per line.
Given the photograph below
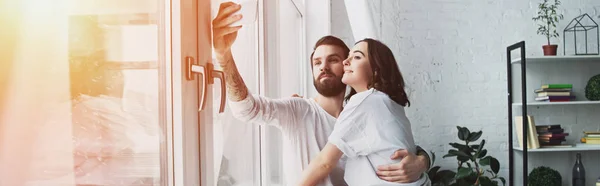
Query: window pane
93, 87
288, 68
236, 142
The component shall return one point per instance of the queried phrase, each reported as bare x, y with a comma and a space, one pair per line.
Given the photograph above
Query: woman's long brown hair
387, 77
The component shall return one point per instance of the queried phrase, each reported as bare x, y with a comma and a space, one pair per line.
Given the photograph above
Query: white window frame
186, 162
268, 24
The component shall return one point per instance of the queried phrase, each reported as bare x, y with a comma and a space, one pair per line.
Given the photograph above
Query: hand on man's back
406, 171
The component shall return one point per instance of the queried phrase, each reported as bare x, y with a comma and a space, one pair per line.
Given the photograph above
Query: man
304, 123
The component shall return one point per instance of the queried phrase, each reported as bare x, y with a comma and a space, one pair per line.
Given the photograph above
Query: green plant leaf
463, 172
481, 144
433, 171
495, 165
485, 161
446, 175
503, 180
462, 158
482, 153
463, 133
485, 181
448, 155
474, 136
459, 146
463, 154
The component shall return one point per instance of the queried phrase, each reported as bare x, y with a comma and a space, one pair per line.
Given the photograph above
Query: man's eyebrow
359, 52
316, 58
334, 55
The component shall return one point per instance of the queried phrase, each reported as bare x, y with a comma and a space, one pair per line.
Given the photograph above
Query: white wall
452, 55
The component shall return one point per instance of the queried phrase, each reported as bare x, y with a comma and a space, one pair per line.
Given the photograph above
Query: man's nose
324, 67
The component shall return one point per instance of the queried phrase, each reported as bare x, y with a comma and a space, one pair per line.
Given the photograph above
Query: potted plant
474, 165
544, 176
439, 177
547, 18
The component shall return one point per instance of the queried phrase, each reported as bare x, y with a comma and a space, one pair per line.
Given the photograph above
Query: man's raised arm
223, 38
244, 106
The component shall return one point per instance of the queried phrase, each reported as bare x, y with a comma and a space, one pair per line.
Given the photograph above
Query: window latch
208, 74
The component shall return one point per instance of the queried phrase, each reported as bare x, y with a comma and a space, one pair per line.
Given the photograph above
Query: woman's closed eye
357, 57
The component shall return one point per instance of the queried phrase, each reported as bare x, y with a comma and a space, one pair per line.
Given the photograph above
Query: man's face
328, 70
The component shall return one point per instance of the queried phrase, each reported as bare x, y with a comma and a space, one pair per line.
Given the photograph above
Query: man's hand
408, 170
223, 34
223, 38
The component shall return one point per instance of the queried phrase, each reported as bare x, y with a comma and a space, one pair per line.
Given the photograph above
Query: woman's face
357, 69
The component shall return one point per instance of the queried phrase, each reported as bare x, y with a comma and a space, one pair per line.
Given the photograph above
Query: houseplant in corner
547, 18
473, 163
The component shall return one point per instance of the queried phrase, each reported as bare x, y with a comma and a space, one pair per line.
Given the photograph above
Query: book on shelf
556, 93
554, 98
557, 146
555, 86
552, 129
551, 138
591, 137
561, 94
552, 90
551, 135
532, 135
553, 132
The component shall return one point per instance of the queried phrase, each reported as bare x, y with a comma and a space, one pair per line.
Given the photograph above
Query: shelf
549, 59
577, 147
558, 103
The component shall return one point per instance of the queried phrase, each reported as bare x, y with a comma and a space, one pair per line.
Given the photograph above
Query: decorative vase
578, 172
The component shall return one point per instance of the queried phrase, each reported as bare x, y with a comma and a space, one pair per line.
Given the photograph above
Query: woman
373, 123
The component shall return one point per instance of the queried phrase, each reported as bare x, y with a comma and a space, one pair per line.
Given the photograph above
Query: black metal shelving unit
509, 49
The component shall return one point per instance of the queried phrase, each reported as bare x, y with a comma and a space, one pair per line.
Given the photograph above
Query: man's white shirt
305, 128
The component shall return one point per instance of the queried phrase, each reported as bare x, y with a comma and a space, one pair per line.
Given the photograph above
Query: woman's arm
321, 166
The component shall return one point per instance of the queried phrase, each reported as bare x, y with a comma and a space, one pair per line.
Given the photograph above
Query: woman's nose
346, 62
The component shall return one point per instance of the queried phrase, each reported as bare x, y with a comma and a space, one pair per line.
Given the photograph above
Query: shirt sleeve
261, 110
348, 137
349, 133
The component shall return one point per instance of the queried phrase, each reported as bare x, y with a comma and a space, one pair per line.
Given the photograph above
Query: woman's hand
408, 170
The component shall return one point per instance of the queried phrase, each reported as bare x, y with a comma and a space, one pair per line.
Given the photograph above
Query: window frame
269, 50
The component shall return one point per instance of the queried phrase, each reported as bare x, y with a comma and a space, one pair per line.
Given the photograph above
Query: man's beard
331, 87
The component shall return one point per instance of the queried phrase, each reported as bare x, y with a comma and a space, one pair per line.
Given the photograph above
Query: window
101, 97
236, 144
248, 154
91, 98
285, 74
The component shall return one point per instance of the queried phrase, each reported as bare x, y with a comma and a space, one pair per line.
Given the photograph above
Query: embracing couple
367, 141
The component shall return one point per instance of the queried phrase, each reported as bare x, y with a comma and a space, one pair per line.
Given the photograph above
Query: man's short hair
333, 41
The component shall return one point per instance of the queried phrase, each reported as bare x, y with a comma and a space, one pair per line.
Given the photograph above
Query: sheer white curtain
36, 125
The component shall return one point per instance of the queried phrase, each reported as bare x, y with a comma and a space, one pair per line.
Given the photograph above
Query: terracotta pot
550, 50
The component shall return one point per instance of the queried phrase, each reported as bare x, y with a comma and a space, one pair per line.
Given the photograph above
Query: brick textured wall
452, 55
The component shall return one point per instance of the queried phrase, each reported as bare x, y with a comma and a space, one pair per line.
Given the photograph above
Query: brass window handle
208, 74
